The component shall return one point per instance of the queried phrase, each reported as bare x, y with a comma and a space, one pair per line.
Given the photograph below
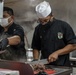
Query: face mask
4, 22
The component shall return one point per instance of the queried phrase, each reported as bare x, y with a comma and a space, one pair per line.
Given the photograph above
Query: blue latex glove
3, 44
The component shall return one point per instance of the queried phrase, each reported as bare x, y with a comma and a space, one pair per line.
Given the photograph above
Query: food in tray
38, 66
40, 69
46, 72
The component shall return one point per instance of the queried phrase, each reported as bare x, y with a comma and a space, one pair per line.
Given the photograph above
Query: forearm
14, 40
54, 56
36, 54
66, 49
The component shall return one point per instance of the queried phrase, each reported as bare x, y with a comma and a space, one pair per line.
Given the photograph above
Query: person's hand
3, 44
53, 57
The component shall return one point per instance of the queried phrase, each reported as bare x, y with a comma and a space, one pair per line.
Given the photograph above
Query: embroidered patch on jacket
60, 35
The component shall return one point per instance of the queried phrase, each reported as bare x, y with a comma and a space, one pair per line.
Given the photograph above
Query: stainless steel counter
61, 70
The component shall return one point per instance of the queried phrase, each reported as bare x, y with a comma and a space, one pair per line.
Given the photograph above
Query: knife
42, 61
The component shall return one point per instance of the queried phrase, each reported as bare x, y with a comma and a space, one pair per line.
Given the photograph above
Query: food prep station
26, 69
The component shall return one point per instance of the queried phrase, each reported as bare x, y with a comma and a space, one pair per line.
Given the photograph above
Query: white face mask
4, 22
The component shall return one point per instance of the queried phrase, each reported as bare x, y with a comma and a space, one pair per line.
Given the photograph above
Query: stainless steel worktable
60, 70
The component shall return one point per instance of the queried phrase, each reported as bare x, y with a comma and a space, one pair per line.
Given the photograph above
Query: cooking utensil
42, 61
